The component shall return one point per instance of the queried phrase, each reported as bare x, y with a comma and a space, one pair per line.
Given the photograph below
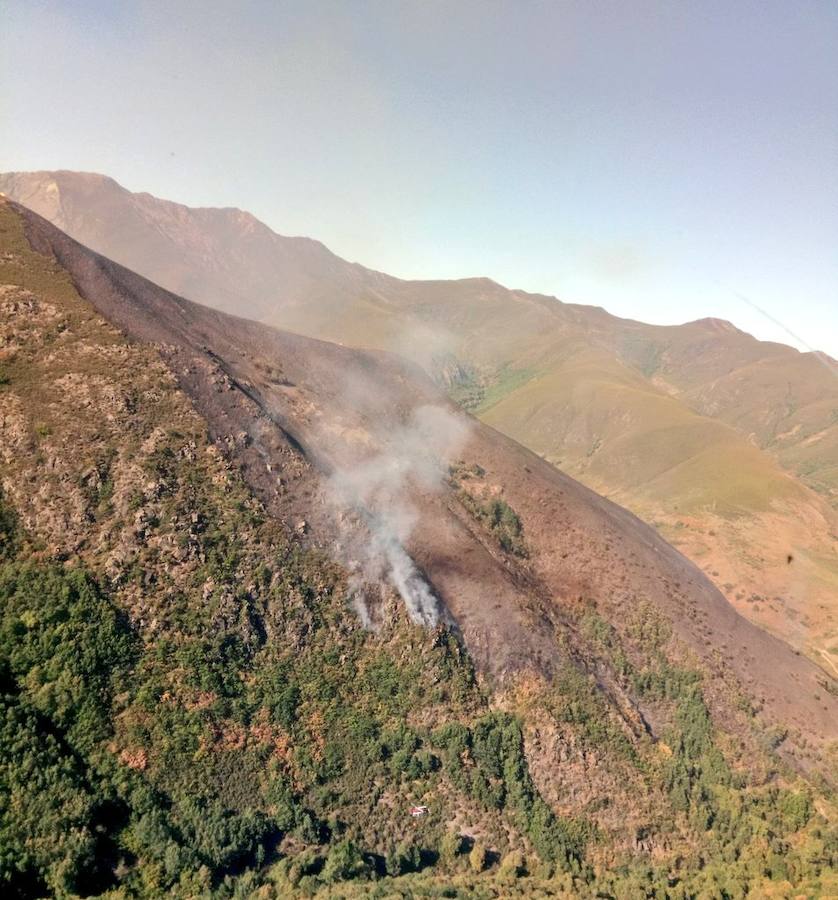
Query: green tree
343, 862
450, 846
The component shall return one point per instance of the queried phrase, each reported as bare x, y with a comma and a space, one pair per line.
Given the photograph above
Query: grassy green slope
722, 500
603, 423
785, 401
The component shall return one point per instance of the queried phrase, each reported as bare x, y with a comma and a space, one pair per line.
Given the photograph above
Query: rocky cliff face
335, 595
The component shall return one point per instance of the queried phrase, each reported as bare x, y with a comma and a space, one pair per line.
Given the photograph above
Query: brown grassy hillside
725, 443
343, 408
206, 488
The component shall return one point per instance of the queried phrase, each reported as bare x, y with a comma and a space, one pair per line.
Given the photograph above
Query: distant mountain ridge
266, 598
728, 444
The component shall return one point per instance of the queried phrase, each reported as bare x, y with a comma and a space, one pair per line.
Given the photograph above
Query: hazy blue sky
649, 157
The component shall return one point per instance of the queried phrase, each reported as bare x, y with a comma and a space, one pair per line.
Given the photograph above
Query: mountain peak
719, 326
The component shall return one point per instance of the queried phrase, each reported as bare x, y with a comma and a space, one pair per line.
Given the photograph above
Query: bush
512, 865
501, 519
478, 858
343, 862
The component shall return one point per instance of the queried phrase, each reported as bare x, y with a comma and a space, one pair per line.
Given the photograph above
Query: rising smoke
413, 456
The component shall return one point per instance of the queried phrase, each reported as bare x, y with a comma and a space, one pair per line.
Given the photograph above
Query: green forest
246, 771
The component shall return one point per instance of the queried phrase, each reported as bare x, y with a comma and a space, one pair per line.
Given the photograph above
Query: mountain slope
183, 526
688, 426
188, 248
301, 386
783, 400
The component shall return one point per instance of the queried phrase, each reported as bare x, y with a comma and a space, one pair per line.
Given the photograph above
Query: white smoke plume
358, 603
413, 456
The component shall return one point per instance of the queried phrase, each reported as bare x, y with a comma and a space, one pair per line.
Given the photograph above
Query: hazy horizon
653, 160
